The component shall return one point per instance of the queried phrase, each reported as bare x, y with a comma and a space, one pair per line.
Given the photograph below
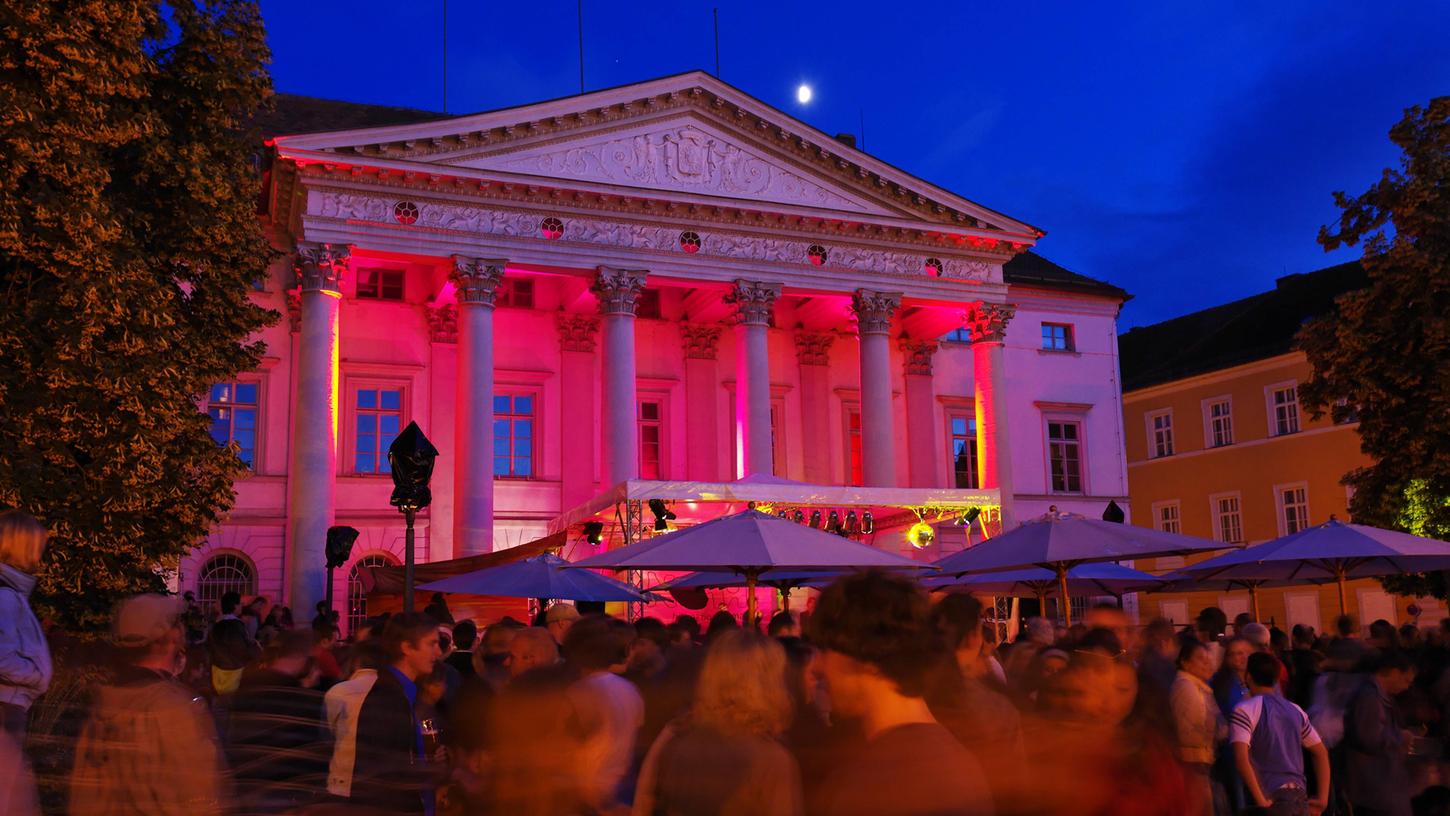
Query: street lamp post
339, 546
410, 459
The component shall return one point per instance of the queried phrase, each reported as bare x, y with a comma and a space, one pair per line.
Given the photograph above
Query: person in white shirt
609, 708
343, 702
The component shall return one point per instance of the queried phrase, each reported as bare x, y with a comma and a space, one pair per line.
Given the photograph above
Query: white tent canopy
775, 490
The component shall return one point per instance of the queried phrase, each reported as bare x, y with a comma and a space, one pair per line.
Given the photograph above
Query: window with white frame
377, 419
357, 598
962, 448
1057, 337
1293, 503
1228, 518
1168, 516
1219, 414
513, 434
1064, 454
651, 439
223, 573
1160, 434
1284, 409
233, 408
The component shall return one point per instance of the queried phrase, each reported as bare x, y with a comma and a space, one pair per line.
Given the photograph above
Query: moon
803, 94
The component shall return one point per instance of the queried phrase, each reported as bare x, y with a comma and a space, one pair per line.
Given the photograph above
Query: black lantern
410, 460
340, 539
1114, 513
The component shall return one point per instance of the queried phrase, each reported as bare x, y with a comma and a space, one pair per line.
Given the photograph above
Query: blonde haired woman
724, 757
24, 655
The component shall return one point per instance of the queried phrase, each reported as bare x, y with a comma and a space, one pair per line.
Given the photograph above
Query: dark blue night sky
1185, 151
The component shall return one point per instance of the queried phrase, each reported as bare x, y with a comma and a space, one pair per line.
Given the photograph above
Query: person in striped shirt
1269, 736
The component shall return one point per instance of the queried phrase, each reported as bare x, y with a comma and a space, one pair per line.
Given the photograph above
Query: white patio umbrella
1060, 541
749, 544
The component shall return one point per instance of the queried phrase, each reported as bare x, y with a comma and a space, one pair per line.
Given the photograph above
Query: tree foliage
1385, 351
128, 243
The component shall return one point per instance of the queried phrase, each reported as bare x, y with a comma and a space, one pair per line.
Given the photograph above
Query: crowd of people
880, 699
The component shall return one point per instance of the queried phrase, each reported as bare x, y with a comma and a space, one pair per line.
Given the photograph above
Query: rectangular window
855, 468
380, 284
1286, 410
516, 292
1228, 519
956, 336
1220, 423
1294, 508
1160, 426
1344, 413
513, 435
1057, 337
651, 439
233, 408
1168, 517
963, 450
777, 455
379, 414
1064, 444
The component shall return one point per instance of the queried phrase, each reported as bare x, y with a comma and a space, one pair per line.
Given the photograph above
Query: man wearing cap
558, 620
149, 745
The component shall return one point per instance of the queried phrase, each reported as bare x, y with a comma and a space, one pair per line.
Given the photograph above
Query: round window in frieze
552, 228
405, 212
690, 242
817, 254
934, 267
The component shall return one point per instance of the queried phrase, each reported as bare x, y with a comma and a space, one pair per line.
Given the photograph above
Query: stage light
852, 525
782, 514
799, 517
663, 515
833, 521
920, 535
594, 532
969, 516
816, 518
868, 523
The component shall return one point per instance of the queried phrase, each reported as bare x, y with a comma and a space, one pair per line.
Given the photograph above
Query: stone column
922, 439
702, 381
312, 473
753, 301
442, 382
476, 282
618, 293
878, 444
578, 336
813, 353
986, 325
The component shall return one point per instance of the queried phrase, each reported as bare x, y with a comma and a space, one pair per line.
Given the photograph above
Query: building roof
293, 114
1254, 328
1031, 269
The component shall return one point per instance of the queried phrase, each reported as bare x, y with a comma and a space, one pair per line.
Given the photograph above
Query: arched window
223, 573
357, 600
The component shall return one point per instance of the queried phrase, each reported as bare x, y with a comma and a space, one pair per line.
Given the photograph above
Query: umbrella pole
1339, 577
1062, 595
750, 599
1042, 602
1254, 601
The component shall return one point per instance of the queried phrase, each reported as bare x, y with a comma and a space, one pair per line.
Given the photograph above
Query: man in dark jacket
1376, 779
229, 646
391, 771
277, 741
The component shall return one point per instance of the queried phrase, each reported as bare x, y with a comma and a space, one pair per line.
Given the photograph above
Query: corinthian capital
320, 267
618, 289
917, 355
578, 332
812, 348
476, 280
987, 322
874, 310
752, 301
701, 340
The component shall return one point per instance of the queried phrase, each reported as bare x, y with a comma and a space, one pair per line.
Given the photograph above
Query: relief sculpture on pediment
683, 158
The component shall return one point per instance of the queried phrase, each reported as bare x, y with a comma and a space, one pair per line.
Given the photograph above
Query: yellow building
1219, 446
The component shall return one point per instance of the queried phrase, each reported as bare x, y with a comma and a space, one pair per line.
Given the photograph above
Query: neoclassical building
668, 280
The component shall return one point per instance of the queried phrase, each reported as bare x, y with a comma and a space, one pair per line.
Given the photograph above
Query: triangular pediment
683, 153
690, 135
